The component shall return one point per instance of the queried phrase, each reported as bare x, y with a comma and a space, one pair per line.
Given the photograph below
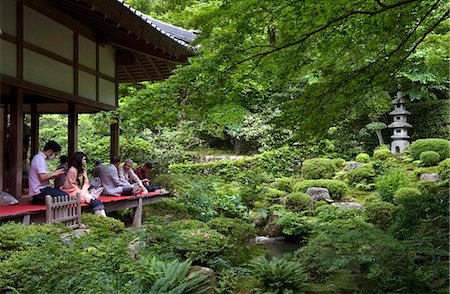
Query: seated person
113, 186
76, 181
126, 174
38, 177
63, 162
143, 172
96, 170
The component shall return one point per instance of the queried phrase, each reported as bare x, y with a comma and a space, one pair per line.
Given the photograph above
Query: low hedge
337, 189
318, 168
429, 158
299, 201
444, 169
281, 162
441, 146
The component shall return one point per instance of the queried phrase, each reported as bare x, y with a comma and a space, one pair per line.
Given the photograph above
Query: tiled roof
181, 36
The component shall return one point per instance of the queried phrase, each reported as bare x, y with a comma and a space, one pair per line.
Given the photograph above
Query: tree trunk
380, 137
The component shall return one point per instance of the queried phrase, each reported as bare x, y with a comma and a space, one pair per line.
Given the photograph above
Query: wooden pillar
16, 143
2, 144
114, 139
5, 149
73, 129
34, 131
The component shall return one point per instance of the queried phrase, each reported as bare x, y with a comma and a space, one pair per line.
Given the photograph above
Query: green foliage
382, 154
441, 146
278, 163
337, 189
363, 157
380, 213
387, 184
102, 226
18, 237
299, 201
318, 168
173, 277
278, 275
362, 176
429, 158
424, 170
272, 196
364, 257
444, 169
283, 184
295, 224
237, 231
339, 162
434, 123
401, 195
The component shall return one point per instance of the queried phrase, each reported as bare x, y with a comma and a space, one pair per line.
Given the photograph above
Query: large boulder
318, 193
272, 229
7, 199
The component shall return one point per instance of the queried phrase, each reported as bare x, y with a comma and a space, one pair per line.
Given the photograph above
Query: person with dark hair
38, 177
63, 162
96, 170
143, 172
109, 176
77, 182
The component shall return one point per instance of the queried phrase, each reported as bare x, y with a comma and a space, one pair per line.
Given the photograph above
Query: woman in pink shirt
77, 182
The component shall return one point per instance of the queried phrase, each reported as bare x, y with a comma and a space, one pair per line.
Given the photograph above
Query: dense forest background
272, 73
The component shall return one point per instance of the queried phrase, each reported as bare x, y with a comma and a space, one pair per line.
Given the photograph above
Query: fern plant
172, 278
278, 275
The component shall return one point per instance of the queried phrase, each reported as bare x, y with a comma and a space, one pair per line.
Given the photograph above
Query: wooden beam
73, 129
34, 130
2, 145
16, 143
19, 47
75, 63
114, 150
155, 67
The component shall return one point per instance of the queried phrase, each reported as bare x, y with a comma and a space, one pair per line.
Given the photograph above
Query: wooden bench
29, 213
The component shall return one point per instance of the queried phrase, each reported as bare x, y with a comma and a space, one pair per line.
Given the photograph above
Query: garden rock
430, 177
353, 165
348, 205
266, 240
208, 272
7, 199
318, 193
134, 247
272, 229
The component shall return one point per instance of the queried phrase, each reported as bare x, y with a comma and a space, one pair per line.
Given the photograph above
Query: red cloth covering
19, 208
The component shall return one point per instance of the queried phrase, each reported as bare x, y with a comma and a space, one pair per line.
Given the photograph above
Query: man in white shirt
38, 177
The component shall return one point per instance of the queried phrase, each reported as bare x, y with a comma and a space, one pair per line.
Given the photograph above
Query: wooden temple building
68, 57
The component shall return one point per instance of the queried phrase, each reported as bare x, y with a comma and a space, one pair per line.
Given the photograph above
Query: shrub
389, 182
429, 158
237, 231
444, 169
363, 157
382, 154
283, 184
318, 168
380, 213
363, 175
401, 195
339, 162
337, 189
425, 170
278, 275
299, 201
272, 195
441, 146
102, 225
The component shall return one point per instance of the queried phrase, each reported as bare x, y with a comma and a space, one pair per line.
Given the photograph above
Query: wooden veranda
68, 57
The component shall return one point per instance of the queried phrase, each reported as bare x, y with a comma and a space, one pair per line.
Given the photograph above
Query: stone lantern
399, 125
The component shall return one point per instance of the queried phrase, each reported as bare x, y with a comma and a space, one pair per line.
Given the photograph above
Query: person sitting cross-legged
77, 182
38, 177
109, 176
126, 174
